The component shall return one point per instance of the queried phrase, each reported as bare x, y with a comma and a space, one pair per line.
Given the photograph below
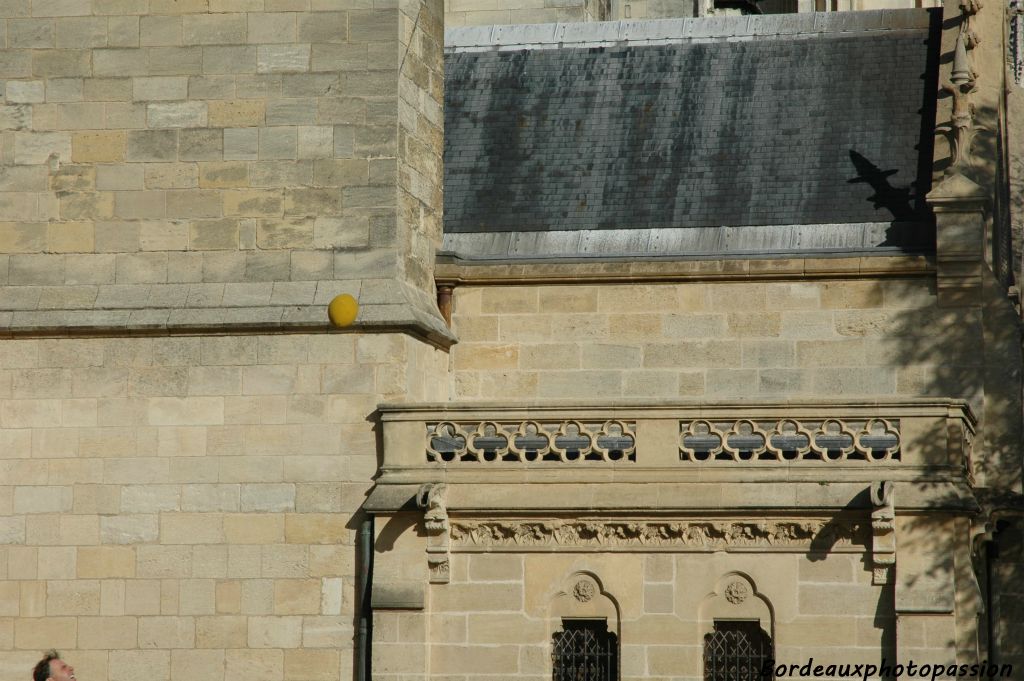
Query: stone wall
182, 507
865, 337
654, 9
499, 612
483, 12
714, 340
164, 159
177, 489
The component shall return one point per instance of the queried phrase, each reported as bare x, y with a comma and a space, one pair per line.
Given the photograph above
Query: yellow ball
343, 310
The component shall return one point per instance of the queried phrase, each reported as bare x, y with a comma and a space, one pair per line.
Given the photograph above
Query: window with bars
585, 651
737, 650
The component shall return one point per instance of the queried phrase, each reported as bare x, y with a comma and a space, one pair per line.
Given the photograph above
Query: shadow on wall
971, 352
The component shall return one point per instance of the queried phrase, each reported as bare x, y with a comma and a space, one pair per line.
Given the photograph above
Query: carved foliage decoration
745, 440
567, 441
698, 535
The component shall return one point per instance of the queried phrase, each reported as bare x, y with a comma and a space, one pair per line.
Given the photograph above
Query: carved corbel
432, 497
883, 532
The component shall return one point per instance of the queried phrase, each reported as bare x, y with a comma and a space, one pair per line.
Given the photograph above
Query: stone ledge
453, 270
681, 498
762, 242
385, 304
671, 31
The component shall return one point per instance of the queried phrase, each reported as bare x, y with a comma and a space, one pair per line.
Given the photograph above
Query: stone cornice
455, 271
385, 306
670, 31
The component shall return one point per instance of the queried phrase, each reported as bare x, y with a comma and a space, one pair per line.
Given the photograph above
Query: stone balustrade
923, 434
675, 454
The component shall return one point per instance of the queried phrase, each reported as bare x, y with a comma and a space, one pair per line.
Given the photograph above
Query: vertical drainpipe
365, 606
444, 302
991, 556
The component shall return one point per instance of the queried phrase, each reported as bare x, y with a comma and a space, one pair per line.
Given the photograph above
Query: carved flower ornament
583, 591
737, 592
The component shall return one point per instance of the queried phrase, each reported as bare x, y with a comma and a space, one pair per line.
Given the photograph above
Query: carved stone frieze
695, 535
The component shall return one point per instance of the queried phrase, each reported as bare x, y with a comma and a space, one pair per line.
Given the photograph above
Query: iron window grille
585, 651
737, 651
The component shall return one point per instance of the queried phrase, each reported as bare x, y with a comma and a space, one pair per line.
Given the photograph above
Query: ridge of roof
636, 32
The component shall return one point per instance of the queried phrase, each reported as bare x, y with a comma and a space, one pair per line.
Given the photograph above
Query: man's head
52, 667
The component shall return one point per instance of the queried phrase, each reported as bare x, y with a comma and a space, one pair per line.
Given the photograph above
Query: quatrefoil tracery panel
789, 440
531, 441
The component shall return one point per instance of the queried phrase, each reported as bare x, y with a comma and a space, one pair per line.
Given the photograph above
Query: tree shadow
967, 349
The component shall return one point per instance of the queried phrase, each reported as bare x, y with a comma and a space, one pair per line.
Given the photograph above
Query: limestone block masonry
184, 186
181, 506
211, 163
188, 451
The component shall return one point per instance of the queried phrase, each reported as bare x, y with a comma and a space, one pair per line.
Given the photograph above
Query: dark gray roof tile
828, 129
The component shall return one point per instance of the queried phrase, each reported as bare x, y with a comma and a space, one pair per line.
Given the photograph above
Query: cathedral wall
483, 12
498, 614
752, 341
870, 337
213, 130
167, 160
858, 337
182, 507
723, 340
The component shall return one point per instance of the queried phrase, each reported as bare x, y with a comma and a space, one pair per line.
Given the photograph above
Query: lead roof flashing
510, 38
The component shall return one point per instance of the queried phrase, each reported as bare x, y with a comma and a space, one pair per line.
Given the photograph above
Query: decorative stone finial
961, 84
961, 66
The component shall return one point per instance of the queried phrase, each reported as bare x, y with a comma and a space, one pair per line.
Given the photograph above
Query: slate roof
822, 128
